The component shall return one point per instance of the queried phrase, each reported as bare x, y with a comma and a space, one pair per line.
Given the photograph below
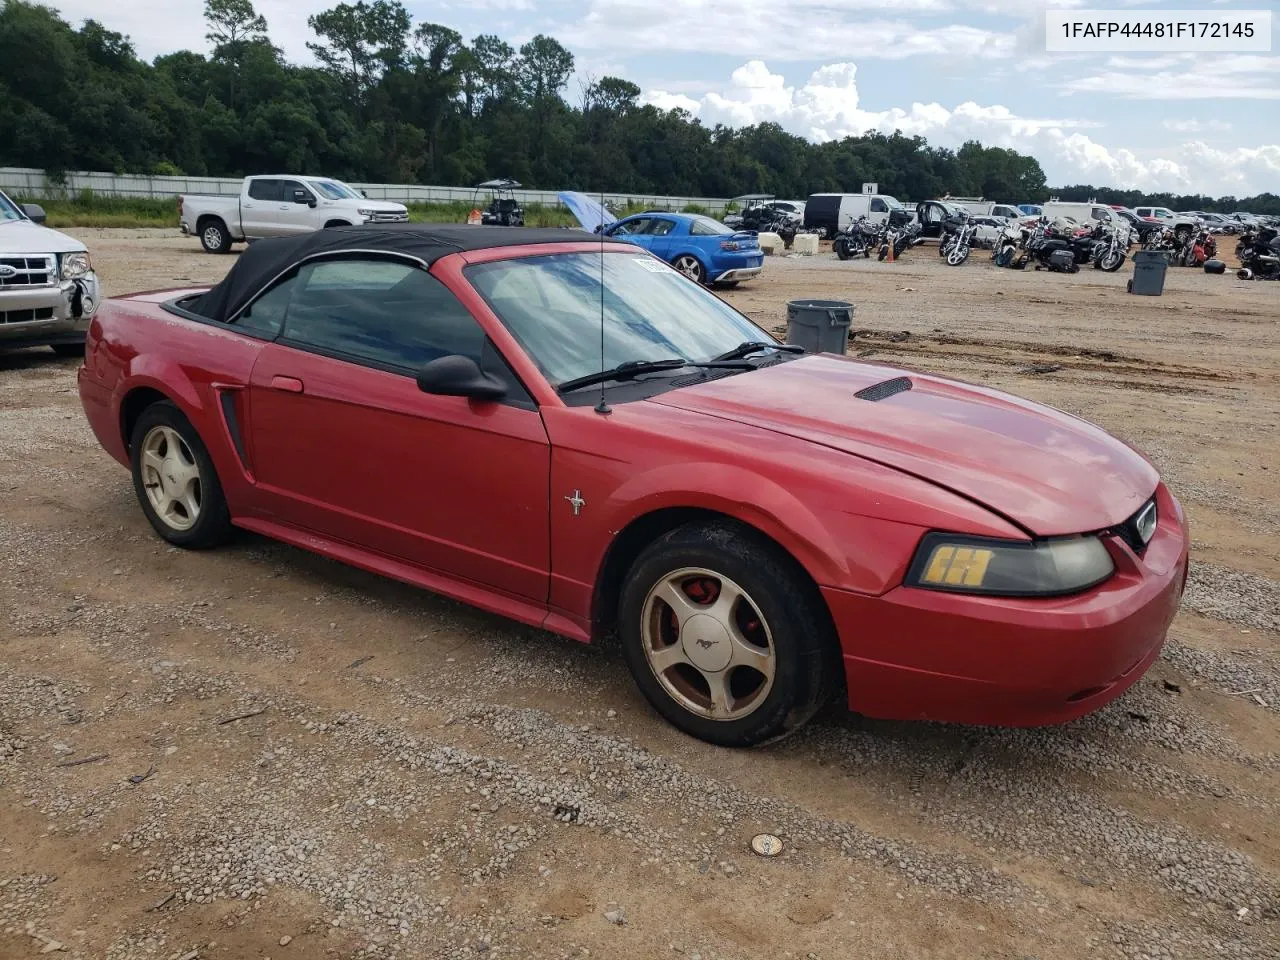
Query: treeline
395, 102
1264, 203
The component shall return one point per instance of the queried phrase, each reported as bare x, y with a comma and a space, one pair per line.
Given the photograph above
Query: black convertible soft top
264, 260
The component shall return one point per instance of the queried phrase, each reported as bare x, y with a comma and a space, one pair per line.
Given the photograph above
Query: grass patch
88, 209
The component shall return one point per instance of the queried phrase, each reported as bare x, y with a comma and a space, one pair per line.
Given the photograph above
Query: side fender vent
881, 391
227, 400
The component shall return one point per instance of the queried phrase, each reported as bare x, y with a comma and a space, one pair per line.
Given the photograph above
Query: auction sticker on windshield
652, 265
1157, 31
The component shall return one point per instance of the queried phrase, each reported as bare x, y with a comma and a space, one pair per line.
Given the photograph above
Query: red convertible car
571, 434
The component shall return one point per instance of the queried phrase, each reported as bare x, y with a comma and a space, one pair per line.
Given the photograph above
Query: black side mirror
459, 376
304, 196
363, 194
34, 212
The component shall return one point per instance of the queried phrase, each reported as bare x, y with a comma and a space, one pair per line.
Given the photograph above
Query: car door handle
287, 384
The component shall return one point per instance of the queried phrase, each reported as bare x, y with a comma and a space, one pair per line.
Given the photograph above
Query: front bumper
39, 316
917, 654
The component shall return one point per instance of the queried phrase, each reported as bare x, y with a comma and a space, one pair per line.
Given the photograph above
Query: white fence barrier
33, 183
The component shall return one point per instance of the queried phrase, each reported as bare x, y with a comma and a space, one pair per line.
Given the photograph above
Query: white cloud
1186, 85
828, 107
1186, 77
1194, 126
790, 30
1150, 62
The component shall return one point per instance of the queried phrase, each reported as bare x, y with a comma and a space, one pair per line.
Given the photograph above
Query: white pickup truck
280, 206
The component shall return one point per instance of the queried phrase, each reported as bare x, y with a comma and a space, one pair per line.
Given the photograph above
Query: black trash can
820, 326
1149, 268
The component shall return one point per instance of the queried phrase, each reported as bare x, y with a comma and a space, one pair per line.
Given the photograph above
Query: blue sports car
701, 248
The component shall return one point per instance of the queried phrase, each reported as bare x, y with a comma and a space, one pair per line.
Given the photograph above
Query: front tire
175, 481
957, 255
214, 236
1111, 262
724, 636
842, 249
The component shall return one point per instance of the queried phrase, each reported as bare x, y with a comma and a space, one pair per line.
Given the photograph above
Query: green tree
233, 23
359, 41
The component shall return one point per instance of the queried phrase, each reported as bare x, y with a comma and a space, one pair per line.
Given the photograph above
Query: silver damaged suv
48, 290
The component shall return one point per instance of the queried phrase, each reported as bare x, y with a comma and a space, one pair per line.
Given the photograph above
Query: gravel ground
256, 752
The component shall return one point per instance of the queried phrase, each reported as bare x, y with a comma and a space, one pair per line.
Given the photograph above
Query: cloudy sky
949, 70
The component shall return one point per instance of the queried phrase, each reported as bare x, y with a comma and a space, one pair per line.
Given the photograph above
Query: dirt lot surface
412, 778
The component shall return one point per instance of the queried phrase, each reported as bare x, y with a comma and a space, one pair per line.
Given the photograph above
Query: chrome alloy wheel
689, 266
171, 477
707, 643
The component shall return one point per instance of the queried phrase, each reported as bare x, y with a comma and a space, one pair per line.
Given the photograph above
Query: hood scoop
885, 389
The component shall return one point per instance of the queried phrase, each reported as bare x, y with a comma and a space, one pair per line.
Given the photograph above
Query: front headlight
365, 212
1009, 568
75, 265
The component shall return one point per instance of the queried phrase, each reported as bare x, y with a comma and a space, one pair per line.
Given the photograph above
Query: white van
978, 207
831, 213
1085, 214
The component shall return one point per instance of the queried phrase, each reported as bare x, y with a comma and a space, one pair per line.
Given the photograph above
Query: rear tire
690, 266
842, 249
175, 481
752, 610
214, 236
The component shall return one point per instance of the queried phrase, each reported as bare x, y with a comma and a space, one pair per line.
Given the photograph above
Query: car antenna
602, 407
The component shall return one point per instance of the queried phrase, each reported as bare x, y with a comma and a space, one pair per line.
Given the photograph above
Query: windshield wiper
755, 346
630, 369
623, 371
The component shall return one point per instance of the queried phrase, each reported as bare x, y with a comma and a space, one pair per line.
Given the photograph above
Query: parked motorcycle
857, 240
1011, 239
1111, 246
899, 237
1164, 240
1196, 248
957, 239
1083, 242
1047, 246
1258, 251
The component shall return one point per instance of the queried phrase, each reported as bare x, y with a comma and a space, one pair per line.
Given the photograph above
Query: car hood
381, 206
24, 236
1048, 472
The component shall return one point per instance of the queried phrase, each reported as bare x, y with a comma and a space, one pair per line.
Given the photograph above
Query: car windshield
552, 306
333, 190
708, 225
893, 203
9, 210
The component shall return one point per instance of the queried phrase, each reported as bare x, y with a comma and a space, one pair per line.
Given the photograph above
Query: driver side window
634, 227
289, 189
